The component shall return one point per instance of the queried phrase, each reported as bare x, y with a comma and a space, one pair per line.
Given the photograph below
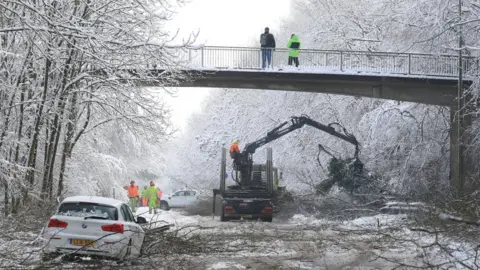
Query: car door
178, 199
139, 235
132, 229
191, 198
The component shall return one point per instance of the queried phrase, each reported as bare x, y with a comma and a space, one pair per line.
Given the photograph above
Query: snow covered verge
20, 245
173, 218
303, 242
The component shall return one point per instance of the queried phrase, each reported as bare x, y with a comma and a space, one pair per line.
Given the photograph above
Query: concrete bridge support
460, 121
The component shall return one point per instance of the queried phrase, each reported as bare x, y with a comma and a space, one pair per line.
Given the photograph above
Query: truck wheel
223, 218
267, 219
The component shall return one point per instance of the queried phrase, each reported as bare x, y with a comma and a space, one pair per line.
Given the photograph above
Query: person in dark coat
267, 43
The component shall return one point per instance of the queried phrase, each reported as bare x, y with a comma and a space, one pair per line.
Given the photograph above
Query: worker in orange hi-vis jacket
159, 199
235, 152
132, 193
234, 149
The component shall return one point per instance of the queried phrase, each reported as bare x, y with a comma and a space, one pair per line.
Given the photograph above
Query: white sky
221, 23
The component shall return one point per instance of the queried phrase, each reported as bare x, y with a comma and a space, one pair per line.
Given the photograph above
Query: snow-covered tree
65, 74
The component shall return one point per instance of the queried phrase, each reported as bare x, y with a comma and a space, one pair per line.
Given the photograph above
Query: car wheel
49, 256
164, 206
70, 258
142, 250
128, 251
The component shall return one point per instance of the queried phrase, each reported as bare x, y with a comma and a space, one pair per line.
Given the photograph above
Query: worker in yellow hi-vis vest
152, 196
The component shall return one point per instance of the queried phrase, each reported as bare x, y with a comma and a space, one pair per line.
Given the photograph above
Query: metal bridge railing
329, 61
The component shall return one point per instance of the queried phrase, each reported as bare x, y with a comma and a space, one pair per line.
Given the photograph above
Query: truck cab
251, 199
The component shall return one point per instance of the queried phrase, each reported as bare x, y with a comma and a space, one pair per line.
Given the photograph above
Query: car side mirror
169, 198
141, 220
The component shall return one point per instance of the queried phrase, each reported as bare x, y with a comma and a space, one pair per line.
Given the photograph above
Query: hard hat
152, 183
132, 182
235, 141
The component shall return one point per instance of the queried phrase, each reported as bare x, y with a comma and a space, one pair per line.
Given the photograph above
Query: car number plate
247, 216
83, 242
243, 204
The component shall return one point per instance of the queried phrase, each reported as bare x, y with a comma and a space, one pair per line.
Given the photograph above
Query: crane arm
245, 162
272, 135
330, 130
296, 123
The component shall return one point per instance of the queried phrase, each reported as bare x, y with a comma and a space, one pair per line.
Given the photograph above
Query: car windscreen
87, 209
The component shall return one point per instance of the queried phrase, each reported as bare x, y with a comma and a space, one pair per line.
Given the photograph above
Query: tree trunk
32, 157
54, 147
31, 163
20, 79
5, 185
46, 158
81, 131
20, 125
68, 140
58, 121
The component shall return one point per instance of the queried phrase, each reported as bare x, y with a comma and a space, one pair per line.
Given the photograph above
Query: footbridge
413, 77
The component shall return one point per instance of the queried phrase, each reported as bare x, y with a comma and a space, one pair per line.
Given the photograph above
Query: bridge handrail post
476, 66
341, 61
260, 57
409, 63
202, 56
271, 57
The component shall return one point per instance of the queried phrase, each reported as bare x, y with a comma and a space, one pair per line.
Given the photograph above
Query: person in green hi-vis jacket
152, 196
294, 47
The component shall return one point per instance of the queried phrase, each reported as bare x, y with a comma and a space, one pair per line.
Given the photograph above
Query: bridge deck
434, 91
413, 77
325, 71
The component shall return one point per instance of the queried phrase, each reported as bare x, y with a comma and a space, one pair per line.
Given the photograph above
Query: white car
179, 199
88, 225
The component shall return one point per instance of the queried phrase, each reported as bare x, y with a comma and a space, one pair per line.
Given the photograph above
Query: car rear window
87, 209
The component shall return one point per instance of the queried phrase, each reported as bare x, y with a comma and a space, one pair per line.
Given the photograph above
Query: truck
256, 191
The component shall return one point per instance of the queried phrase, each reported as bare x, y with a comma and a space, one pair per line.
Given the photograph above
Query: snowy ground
302, 242
376, 242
